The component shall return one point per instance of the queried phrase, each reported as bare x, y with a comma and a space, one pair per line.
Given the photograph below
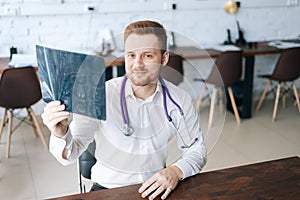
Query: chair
173, 72
85, 163
226, 71
287, 69
19, 88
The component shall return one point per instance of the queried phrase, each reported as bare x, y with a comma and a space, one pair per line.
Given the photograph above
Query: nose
138, 61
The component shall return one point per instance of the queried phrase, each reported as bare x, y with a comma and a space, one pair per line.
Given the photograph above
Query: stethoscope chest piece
127, 130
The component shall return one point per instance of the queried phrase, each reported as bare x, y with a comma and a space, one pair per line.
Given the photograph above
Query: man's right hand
56, 118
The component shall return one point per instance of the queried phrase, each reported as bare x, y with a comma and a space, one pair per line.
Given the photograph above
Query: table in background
110, 61
261, 48
249, 55
196, 53
277, 179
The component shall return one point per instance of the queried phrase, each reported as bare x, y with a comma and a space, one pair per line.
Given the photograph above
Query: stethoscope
128, 130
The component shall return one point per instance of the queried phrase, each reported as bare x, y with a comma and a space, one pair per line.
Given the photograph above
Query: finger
166, 194
47, 114
147, 184
152, 188
53, 116
54, 108
57, 120
157, 192
53, 121
53, 103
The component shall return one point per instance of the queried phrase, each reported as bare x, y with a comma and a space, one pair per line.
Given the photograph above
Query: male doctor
141, 157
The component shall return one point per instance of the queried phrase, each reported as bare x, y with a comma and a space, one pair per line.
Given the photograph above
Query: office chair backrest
87, 160
173, 72
287, 67
19, 88
227, 69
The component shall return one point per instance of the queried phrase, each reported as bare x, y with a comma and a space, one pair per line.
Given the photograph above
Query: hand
55, 118
164, 181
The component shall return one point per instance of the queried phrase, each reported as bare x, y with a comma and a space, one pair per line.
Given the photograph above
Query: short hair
147, 27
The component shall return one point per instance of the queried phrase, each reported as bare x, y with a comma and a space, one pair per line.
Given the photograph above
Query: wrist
62, 132
178, 171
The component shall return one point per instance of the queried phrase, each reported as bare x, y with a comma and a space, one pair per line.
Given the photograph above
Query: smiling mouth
139, 72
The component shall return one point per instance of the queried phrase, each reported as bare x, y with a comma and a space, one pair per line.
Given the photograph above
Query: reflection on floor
32, 173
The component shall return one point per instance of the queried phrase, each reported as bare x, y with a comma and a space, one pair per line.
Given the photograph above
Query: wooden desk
110, 61
196, 53
278, 179
249, 55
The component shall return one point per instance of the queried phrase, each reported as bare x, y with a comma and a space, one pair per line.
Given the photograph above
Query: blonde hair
147, 27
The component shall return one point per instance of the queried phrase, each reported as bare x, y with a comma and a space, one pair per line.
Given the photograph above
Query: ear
165, 58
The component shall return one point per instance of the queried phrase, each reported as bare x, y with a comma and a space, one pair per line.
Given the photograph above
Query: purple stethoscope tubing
165, 94
128, 130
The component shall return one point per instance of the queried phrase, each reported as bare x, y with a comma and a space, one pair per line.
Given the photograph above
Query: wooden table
277, 179
110, 61
249, 55
196, 53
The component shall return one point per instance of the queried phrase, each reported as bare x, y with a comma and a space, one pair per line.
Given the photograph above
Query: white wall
26, 22
67, 23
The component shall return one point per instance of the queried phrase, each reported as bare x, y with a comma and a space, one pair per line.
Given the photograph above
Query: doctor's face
144, 59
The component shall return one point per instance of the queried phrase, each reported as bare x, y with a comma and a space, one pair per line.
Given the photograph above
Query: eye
130, 55
148, 55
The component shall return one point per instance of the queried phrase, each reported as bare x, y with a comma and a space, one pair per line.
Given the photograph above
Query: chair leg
32, 123
276, 103
236, 113
37, 126
212, 107
221, 108
295, 102
263, 96
283, 95
296, 96
200, 98
3, 122
9, 133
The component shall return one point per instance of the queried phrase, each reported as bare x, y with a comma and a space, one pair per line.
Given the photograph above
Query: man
141, 157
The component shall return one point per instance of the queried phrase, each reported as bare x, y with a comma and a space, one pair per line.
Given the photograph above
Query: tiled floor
32, 173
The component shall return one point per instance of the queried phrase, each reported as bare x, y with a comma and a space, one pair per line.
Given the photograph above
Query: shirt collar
129, 91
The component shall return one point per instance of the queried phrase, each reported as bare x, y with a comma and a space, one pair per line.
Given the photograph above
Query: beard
143, 78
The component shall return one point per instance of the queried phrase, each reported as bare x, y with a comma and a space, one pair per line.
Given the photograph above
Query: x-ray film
77, 80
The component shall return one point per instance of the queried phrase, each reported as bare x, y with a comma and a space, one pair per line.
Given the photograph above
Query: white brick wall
203, 21
65, 24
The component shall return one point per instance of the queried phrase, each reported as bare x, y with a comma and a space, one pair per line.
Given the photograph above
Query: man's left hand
163, 181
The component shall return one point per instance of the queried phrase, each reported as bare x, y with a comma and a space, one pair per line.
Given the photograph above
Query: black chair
85, 163
226, 71
173, 72
19, 88
287, 69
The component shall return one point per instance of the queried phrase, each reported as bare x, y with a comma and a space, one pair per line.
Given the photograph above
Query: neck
143, 92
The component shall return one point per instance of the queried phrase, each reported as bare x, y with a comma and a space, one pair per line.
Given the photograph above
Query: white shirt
125, 160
